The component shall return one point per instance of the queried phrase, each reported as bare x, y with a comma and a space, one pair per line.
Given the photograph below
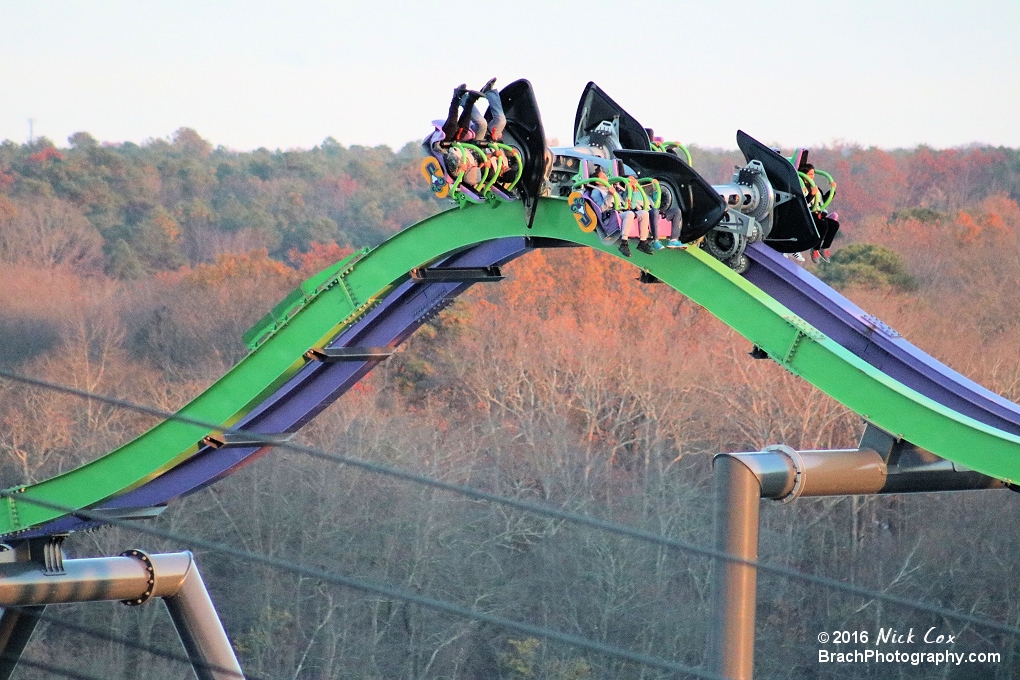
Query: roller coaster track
333, 329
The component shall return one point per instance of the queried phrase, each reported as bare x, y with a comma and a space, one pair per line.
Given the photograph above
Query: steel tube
132, 579
93, 579
16, 628
201, 632
786, 474
731, 632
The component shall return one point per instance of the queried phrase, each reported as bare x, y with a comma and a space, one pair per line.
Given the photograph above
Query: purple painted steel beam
314, 387
875, 342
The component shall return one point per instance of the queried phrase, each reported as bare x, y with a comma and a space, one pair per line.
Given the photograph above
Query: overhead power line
49, 668
60, 622
543, 510
386, 591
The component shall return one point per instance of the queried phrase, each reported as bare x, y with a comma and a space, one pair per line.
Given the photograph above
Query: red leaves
47, 153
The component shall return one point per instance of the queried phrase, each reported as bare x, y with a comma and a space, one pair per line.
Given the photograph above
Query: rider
450, 126
676, 221
458, 160
637, 223
498, 119
827, 223
607, 200
464, 122
462, 115
631, 210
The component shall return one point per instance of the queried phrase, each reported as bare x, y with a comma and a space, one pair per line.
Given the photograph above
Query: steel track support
30, 581
16, 627
201, 632
731, 629
882, 464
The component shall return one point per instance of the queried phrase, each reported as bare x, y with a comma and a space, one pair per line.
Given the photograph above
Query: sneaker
488, 86
799, 257
676, 243
826, 255
814, 256
657, 245
645, 247
625, 248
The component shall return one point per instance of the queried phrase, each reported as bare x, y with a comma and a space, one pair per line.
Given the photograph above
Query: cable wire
124, 642
544, 510
39, 665
388, 591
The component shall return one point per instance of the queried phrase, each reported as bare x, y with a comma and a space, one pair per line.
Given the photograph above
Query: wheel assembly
722, 244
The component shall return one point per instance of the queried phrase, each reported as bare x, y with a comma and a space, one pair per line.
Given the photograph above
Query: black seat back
793, 226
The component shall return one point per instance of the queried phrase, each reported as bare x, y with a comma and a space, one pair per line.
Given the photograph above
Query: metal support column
881, 464
16, 627
133, 578
201, 633
731, 633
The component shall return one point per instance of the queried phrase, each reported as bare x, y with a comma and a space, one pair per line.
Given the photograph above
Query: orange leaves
342, 188
318, 257
252, 265
166, 224
969, 230
533, 280
870, 180
994, 221
997, 217
1000, 213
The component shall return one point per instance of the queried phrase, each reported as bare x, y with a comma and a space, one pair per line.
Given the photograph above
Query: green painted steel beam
338, 297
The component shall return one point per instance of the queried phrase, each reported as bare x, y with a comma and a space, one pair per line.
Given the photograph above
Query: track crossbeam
331, 355
458, 274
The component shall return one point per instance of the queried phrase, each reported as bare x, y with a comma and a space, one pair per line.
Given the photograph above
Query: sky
288, 75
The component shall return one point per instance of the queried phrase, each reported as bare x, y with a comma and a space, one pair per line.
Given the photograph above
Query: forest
133, 270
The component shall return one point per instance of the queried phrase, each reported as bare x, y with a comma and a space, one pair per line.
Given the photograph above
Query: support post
16, 627
133, 578
882, 464
201, 633
731, 633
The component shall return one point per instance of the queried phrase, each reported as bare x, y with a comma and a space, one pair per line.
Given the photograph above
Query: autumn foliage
135, 270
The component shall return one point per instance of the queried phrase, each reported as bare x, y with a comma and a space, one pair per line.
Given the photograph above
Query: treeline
132, 210
569, 384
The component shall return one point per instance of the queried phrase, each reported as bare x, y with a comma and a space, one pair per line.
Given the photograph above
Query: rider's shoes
797, 256
625, 248
814, 256
826, 255
488, 86
459, 90
645, 247
657, 245
676, 243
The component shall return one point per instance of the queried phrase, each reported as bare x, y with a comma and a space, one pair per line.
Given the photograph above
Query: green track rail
329, 302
